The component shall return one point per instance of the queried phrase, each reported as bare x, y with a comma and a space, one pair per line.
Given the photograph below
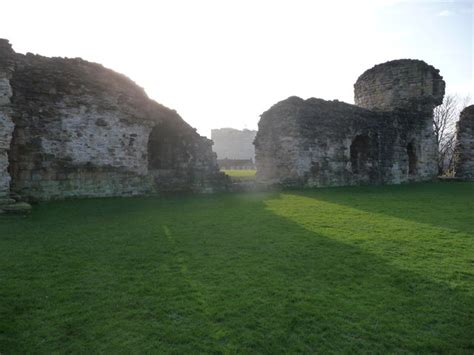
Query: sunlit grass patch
241, 174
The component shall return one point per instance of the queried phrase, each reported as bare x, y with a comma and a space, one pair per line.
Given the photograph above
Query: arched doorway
160, 151
165, 148
169, 158
18, 157
360, 148
412, 158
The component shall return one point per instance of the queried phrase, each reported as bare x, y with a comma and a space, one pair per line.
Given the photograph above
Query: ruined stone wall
315, 149
84, 130
79, 130
464, 152
230, 143
329, 143
6, 124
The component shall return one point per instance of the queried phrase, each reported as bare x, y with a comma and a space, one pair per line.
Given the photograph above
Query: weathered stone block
17, 208
6, 201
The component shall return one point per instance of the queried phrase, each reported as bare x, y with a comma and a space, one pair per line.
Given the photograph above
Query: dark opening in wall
169, 148
170, 159
14, 157
412, 158
360, 154
163, 148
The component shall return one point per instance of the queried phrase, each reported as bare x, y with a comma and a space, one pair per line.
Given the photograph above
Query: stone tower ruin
386, 138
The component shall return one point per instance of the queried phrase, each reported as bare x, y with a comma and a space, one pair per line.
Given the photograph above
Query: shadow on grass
210, 274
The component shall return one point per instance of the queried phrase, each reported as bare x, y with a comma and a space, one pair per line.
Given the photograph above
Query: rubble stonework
464, 152
387, 138
400, 84
6, 123
74, 128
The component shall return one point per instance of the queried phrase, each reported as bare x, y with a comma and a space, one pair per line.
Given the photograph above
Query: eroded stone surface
405, 83
83, 130
330, 143
464, 153
6, 123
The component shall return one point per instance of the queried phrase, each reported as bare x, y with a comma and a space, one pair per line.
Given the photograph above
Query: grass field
369, 269
241, 175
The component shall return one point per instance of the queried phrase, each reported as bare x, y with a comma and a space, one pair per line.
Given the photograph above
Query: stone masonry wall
73, 135
464, 153
330, 143
6, 124
400, 84
315, 149
84, 130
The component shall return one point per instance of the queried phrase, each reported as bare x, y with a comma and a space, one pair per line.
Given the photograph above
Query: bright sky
221, 63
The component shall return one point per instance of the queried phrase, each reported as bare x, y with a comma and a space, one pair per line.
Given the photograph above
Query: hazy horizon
222, 64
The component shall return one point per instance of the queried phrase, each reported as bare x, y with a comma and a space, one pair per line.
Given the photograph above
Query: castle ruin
385, 138
71, 128
464, 151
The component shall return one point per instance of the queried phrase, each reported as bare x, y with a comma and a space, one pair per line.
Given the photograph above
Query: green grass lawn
241, 175
368, 269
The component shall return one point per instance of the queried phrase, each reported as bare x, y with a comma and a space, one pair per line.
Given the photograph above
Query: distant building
230, 143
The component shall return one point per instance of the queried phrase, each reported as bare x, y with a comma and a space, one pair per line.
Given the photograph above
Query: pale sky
223, 63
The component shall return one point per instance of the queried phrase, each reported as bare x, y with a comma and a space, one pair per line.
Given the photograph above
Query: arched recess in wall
167, 148
412, 158
14, 163
360, 149
162, 148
